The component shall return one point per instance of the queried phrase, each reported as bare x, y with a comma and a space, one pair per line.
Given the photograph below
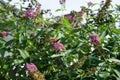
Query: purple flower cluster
94, 39
31, 68
30, 13
58, 46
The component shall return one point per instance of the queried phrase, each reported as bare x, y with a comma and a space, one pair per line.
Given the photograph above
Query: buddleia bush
80, 45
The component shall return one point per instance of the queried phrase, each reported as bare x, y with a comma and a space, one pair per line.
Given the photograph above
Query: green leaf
2, 40
5, 67
117, 31
40, 32
66, 23
117, 73
104, 74
57, 10
16, 61
57, 55
115, 60
24, 53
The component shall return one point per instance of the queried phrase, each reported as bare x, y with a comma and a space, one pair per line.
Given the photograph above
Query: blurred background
70, 5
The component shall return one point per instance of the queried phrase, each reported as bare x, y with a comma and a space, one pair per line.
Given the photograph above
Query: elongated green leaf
57, 10
104, 74
115, 60
23, 53
117, 31
117, 73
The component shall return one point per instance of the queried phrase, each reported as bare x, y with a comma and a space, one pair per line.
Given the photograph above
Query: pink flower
90, 4
58, 46
62, 1
4, 34
94, 39
31, 68
30, 13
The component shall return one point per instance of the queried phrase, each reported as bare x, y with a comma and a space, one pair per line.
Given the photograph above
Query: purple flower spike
30, 13
94, 39
58, 46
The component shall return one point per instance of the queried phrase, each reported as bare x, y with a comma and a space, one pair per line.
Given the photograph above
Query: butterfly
54, 40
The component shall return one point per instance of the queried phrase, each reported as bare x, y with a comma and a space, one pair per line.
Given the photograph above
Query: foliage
29, 40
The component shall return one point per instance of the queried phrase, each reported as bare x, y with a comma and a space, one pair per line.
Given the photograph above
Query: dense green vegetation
62, 48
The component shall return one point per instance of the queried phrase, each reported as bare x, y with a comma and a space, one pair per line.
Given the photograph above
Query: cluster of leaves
29, 41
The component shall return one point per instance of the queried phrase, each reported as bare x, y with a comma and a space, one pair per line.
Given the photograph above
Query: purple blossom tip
31, 68
58, 46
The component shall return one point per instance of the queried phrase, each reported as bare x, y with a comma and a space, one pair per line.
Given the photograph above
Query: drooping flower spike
33, 72
31, 68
